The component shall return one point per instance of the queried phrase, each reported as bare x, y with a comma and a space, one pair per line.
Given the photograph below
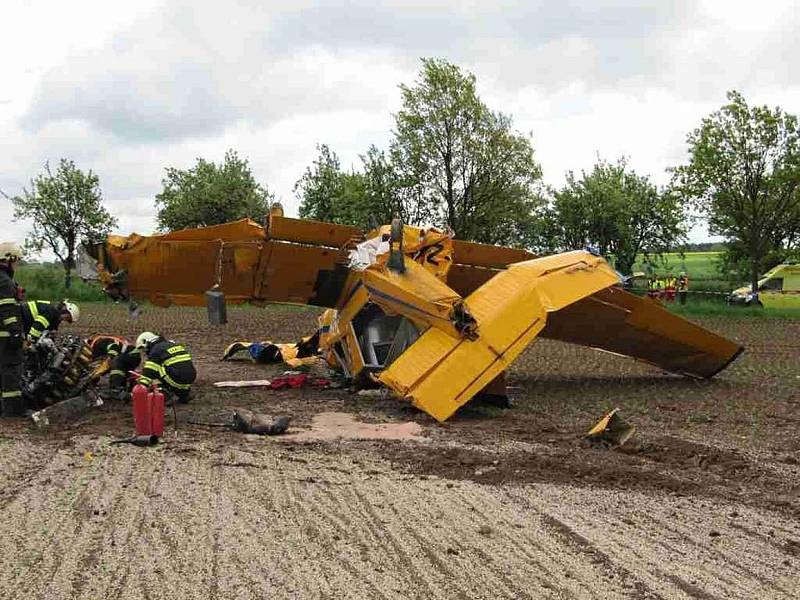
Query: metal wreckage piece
434, 319
60, 378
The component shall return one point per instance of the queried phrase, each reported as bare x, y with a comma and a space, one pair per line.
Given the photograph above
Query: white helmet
10, 251
72, 310
144, 339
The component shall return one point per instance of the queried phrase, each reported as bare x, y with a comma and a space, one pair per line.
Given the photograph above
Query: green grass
46, 282
702, 308
700, 266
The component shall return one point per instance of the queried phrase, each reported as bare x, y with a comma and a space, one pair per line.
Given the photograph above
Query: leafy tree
388, 196
460, 164
211, 194
65, 207
619, 213
327, 193
743, 174
320, 187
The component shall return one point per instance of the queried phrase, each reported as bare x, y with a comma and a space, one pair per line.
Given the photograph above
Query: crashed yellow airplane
434, 319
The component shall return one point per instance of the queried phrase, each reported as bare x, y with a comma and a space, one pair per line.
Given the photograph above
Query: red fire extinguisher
157, 412
148, 411
142, 411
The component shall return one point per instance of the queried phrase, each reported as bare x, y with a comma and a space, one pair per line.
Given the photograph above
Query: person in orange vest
683, 287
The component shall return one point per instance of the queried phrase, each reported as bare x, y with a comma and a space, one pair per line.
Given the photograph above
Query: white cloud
128, 89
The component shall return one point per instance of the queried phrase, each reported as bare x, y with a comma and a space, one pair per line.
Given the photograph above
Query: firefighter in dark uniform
168, 363
39, 316
125, 357
11, 334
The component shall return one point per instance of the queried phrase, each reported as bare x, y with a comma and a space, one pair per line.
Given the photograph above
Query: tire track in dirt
392, 545
689, 534
107, 493
451, 516
584, 546
46, 519
21, 464
348, 527
306, 502
128, 499
629, 536
519, 542
245, 552
789, 547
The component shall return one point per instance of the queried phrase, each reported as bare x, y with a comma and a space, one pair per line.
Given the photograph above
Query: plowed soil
704, 502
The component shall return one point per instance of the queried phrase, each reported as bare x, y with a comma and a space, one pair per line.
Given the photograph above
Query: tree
461, 164
327, 193
743, 174
65, 208
211, 194
320, 187
618, 212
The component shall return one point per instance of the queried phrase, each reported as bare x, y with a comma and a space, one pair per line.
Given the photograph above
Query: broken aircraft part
436, 327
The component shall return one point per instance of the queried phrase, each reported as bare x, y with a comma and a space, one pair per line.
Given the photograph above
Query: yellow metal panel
236, 231
486, 255
465, 279
439, 373
354, 351
416, 293
307, 231
291, 270
620, 322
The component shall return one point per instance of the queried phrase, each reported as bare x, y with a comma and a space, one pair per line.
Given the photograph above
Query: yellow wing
290, 261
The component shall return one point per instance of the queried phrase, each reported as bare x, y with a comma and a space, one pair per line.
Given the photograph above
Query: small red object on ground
289, 381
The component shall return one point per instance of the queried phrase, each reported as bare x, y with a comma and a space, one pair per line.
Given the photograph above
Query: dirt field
493, 504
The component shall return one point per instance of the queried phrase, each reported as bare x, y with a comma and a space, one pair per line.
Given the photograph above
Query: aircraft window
772, 285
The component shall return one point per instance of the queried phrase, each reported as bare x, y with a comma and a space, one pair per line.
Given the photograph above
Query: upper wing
290, 261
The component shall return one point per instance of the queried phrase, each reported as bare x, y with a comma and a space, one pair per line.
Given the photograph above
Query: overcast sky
129, 88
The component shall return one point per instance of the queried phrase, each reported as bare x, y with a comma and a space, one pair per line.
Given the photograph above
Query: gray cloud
189, 70
191, 79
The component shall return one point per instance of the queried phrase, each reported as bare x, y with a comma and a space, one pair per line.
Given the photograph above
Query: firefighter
39, 316
125, 357
683, 287
167, 362
651, 288
669, 288
11, 334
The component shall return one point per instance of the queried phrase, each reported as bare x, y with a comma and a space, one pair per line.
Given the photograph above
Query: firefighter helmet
145, 339
71, 310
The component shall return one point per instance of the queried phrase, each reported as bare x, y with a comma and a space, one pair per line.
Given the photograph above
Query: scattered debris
611, 429
61, 411
374, 393
138, 440
61, 378
296, 379
246, 421
243, 384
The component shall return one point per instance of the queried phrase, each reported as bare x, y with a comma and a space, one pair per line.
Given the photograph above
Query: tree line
454, 163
